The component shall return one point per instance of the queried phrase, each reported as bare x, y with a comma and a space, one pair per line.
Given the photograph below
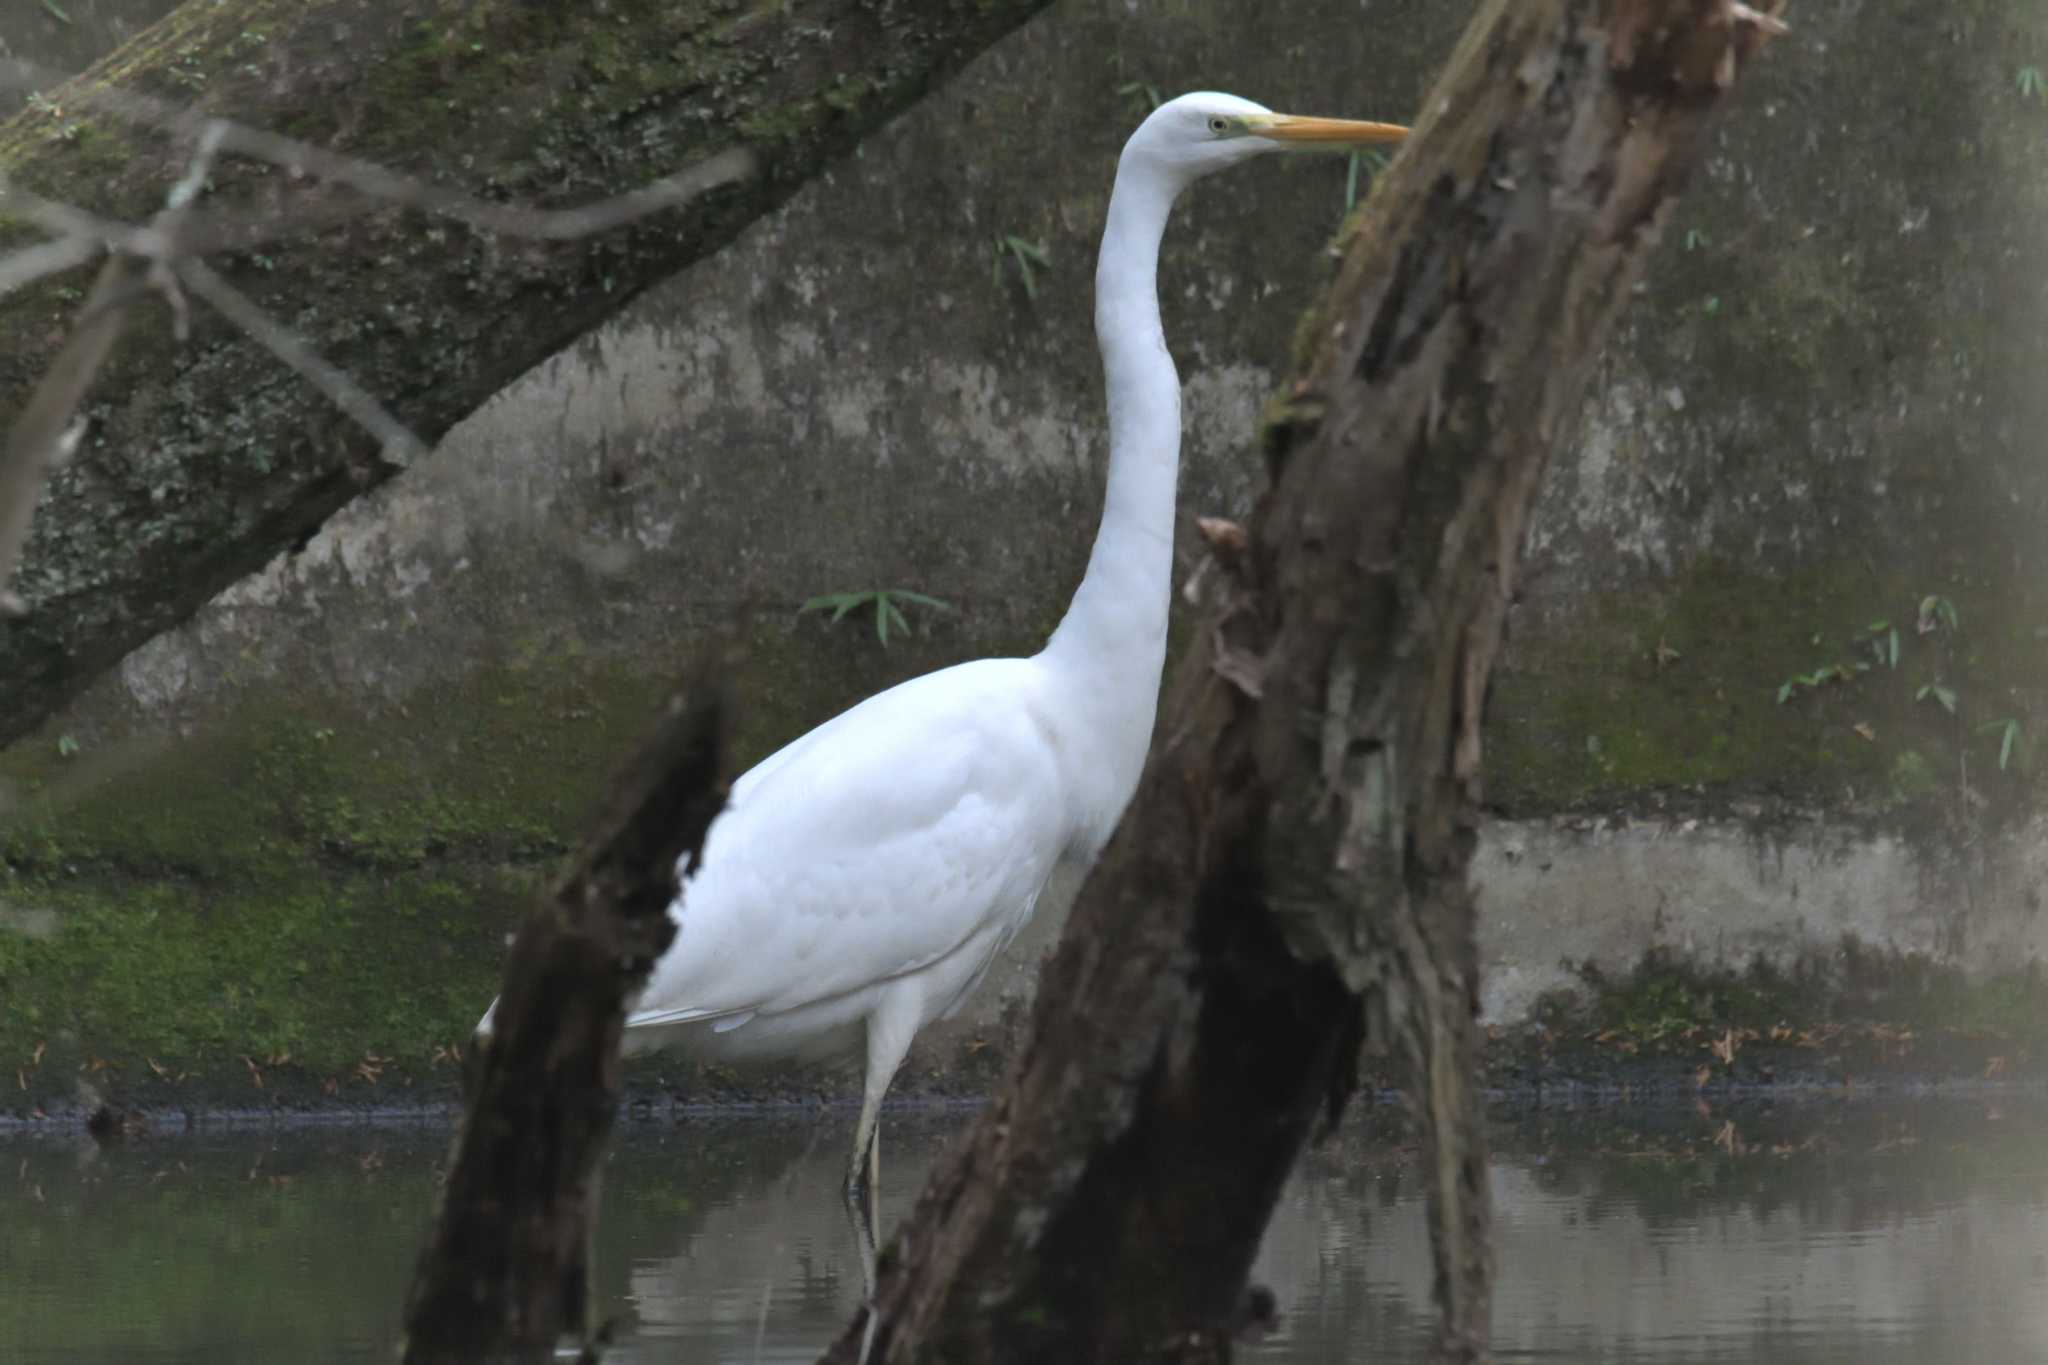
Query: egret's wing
871, 847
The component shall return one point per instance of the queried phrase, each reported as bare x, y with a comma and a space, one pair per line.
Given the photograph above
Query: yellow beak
1293, 128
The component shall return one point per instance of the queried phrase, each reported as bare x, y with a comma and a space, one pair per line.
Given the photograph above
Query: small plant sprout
1881, 638
1695, 239
67, 747
1143, 95
1711, 305
2008, 731
1940, 692
1024, 254
1935, 612
2032, 83
888, 613
1369, 160
1819, 678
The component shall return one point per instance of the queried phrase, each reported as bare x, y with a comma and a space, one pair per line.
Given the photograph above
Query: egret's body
863, 878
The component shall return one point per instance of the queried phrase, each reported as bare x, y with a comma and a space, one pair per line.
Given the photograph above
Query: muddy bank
1531, 1072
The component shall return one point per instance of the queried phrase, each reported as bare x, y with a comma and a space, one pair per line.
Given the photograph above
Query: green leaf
1785, 691
839, 602
888, 615
2011, 728
885, 612
1945, 695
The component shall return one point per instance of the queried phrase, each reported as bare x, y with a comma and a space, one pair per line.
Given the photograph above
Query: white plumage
863, 878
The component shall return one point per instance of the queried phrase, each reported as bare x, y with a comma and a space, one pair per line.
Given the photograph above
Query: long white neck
1115, 629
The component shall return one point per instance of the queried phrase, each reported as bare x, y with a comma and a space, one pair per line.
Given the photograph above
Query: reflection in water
1841, 1233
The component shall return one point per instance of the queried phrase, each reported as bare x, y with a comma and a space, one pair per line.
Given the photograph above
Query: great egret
862, 878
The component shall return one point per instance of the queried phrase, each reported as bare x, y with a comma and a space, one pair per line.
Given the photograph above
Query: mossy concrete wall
298, 827
1824, 410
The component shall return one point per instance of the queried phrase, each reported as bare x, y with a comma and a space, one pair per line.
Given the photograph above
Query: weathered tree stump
1291, 877
503, 1276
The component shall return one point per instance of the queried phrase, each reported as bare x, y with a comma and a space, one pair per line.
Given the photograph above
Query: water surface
1816, 1233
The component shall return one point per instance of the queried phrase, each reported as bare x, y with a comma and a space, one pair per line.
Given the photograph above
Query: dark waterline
1868, 1232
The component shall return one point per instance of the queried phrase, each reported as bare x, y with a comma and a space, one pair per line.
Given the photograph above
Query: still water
1836, 1232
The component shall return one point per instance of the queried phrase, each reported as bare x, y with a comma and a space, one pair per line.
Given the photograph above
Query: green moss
192, 978
1666, 999
1676, 688
292, 884
311, 880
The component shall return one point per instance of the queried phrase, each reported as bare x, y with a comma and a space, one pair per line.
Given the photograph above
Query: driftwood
1291, 879
504, 1273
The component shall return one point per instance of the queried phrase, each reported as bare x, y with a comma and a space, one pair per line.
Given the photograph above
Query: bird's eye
1218, 124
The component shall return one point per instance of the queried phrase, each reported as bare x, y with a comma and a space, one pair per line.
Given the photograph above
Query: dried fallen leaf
1225, 536
1863, 728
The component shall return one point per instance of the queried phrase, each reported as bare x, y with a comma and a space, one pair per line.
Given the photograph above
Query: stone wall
301, 823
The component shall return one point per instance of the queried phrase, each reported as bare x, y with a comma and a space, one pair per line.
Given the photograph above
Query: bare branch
171, 247
380, 182
45, 258
400, 446
37, 438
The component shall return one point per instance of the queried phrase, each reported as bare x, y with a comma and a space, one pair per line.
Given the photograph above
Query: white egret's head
1199, 134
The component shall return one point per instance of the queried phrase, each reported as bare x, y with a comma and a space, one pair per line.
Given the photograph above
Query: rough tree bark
205, 460
503, 1275
1291, 876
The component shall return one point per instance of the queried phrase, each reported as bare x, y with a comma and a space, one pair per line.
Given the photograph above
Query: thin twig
45, 258
165, 257
400, 446
383, 183
37, 437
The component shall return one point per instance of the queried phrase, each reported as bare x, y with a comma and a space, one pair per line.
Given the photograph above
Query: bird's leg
863, 1190
864, 1208
889, 1033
